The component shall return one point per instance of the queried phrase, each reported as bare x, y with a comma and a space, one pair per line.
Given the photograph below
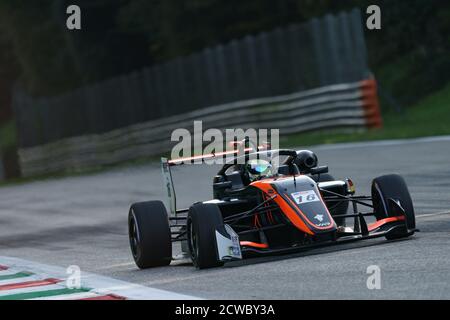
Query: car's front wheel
202, 222
393, 187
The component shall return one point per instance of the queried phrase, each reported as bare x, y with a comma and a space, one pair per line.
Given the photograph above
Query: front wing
230, 248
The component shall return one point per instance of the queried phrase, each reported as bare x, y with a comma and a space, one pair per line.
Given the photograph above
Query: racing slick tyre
335, 208
149, 234
202, 221
392, 186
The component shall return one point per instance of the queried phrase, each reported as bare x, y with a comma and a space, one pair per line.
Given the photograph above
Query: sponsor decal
236, 247
323, 224
307, 196
319, 217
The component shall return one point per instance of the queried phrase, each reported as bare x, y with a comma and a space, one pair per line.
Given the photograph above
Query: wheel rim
193, 247
134, 235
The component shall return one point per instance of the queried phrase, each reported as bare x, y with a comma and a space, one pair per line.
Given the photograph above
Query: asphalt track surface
83, 221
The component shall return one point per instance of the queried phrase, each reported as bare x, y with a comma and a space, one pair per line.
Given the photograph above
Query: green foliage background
410, 55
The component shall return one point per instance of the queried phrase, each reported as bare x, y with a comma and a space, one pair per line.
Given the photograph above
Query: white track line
120, 265
32, 289
100, 284
32, 277
74, 296
432, 214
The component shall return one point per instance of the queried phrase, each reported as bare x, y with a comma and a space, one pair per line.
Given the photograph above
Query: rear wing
167, 174
244, 146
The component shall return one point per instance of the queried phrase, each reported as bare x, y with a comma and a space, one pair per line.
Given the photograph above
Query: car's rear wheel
149, 234
392, 187
202, 222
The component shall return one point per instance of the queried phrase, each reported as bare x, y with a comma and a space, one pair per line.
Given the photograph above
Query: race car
264, 209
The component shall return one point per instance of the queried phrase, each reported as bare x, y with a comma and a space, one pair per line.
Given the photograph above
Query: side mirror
319, 170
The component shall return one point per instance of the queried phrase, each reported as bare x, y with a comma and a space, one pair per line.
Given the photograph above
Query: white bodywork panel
168, 185
228, 247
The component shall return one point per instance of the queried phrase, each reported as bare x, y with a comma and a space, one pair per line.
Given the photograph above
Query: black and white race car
260, 209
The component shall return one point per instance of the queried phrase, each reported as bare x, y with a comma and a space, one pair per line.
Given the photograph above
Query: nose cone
304, 197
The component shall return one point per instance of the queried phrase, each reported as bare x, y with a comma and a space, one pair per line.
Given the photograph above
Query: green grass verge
429, 117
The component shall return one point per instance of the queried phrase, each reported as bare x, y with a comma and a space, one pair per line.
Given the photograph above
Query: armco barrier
352, 105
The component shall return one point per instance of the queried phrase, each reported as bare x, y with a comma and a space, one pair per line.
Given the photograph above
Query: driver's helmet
258, 168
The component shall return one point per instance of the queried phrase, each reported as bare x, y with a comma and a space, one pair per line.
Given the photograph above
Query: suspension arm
349, 198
